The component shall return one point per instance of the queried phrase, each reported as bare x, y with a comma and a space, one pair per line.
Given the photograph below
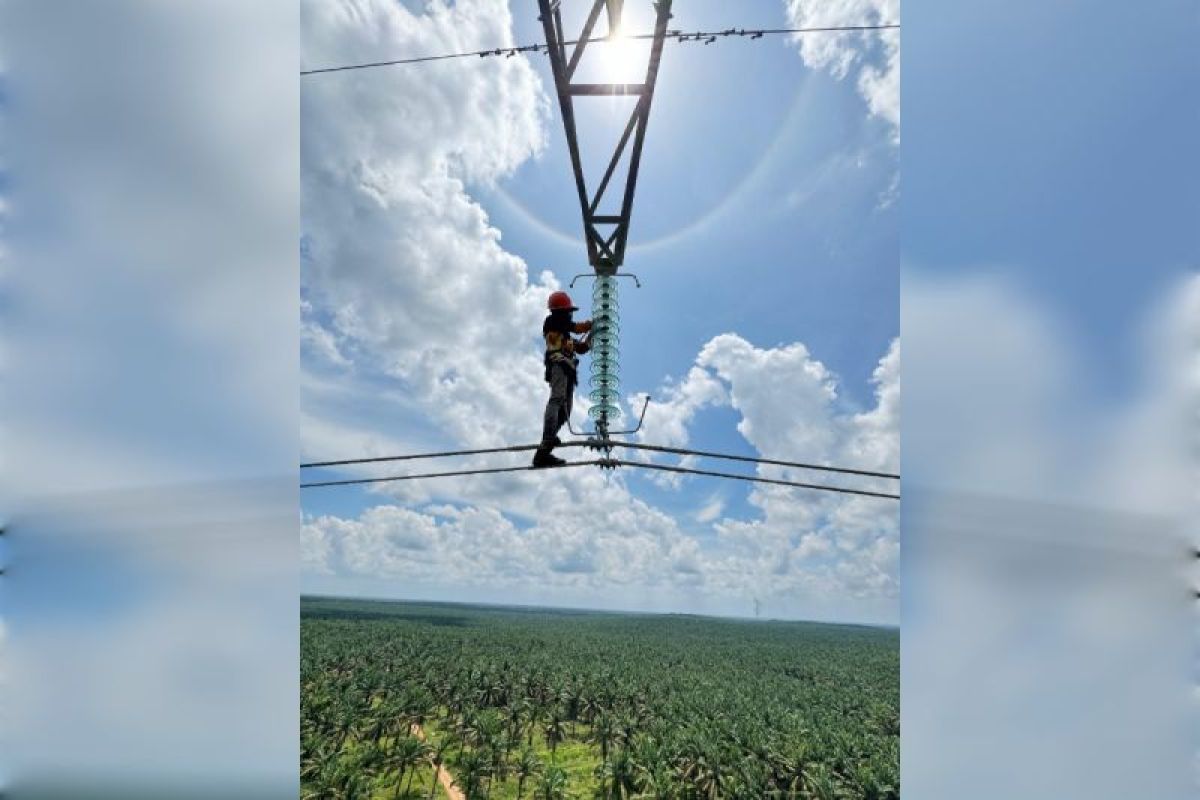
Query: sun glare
621, 59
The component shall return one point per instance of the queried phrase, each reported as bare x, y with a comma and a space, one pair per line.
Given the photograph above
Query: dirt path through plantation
444, 776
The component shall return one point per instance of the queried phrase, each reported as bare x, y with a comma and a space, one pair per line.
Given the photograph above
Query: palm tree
527, 766
702, 772
350, 784
472, 768
320, 761
624, 778
602, 733
537, 711
770, 712
500, 748
555, 732
515, 715
589, 707
569, 698
626, 730
436, 755
354, 776
406, 754
343, 724
819, 783
464, 729
488, 727
603, 774
553, 785
656, 783
320, 773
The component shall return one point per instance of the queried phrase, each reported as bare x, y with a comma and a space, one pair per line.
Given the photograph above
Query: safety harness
560, 347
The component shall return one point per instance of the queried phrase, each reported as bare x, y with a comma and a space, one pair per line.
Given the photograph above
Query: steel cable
445, 474
595, 444
679, 36
752, 478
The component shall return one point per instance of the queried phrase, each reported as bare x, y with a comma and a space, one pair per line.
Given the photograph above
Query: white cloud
790, 410
610, 544
317, 341
783, 394
586, 531
402, 264
676, 404
875, 438
872, 57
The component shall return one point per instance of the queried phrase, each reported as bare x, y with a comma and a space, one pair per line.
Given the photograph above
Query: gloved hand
585, 326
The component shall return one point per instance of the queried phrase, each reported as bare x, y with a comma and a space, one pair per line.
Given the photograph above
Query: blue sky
1050, 250
1071, 168
1051, 322
766, 211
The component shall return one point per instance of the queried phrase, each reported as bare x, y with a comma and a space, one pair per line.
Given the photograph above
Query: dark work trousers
558, 407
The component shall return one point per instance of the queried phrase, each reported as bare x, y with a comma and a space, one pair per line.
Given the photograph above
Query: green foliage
559, 704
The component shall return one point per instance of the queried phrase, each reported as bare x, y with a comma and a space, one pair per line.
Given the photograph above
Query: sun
622, 62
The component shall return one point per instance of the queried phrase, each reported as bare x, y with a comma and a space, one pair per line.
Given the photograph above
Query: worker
561, 363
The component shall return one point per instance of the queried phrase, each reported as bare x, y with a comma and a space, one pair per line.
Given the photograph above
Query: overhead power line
597, 444
707, 37
595, 463
517, 448
748, 459
609, 463
752, 478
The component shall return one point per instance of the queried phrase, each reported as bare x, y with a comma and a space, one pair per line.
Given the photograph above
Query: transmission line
597, 462
512, 449
728, 457
608, 463
752, 478
708, 37
597, 444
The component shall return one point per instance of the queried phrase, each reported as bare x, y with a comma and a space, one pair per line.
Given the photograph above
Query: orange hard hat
560, 301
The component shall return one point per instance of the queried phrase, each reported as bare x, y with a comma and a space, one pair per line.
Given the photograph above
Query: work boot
543, 458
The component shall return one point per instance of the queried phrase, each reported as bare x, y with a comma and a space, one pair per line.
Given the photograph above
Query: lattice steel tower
605, 234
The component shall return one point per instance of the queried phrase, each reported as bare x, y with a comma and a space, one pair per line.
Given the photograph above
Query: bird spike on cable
673, 35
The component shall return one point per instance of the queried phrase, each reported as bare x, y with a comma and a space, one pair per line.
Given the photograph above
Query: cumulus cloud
789, 404
402, 266
591, 532
667, 419
676, 404
872, 58
790, 408
780, 392
612, 544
